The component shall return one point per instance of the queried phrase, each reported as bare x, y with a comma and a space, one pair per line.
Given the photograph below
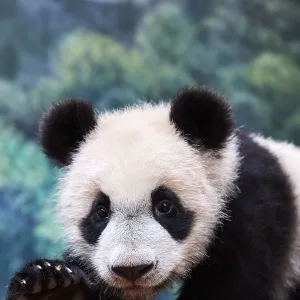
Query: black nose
132, 273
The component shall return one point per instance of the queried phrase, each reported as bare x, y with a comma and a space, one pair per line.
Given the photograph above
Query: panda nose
132, 273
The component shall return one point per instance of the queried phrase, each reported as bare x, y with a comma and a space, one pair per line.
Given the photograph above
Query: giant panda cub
156, 194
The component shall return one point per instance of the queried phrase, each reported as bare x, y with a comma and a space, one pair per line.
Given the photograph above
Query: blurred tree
10, 61
99, 69
167, 37
93, 66
291, 128
26, 181
276, 80
116, 18
271, 25
15, 107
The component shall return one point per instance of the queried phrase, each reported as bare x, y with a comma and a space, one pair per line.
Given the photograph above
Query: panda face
124, 204
138, 200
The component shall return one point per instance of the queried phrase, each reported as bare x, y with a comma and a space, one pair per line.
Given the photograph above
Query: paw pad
52, 284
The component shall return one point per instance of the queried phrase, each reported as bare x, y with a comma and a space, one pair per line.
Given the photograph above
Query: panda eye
165, 203
165, 208
102, 212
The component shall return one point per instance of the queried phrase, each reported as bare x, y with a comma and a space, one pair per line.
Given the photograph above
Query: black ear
202, 117
63, 127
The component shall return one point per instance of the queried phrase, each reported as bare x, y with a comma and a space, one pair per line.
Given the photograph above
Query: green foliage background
114, 53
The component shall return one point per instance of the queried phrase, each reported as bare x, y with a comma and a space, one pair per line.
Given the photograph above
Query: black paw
48, 280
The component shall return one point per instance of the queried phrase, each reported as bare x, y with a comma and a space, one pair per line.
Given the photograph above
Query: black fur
63, 127
202, 117
249, 251
295, 295
91, 227
78, 283
180, 224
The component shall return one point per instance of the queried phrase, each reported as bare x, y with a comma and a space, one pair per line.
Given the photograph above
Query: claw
58, 268
23, 282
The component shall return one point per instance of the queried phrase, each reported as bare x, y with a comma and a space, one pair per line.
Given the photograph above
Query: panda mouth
141, 289
134, 285
138, 291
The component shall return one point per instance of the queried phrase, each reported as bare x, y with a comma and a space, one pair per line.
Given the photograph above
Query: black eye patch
95, 222
170, 213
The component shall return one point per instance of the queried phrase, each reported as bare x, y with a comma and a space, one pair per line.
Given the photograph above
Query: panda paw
45, 280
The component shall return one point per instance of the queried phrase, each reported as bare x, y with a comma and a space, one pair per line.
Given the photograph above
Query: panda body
255, 254
153, 194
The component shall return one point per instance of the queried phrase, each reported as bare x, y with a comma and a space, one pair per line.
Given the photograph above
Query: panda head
143, 187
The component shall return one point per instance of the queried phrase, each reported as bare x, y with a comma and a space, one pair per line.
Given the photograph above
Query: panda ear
63, 127
202, 117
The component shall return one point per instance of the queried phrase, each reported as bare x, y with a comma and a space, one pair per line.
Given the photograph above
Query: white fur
288, 157
128, 155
